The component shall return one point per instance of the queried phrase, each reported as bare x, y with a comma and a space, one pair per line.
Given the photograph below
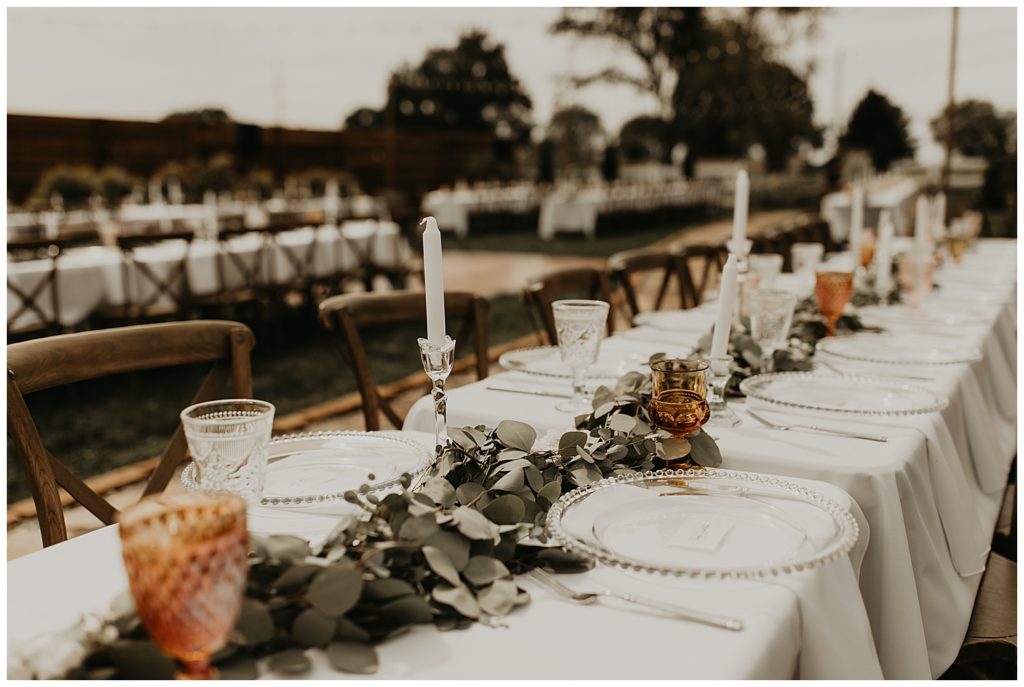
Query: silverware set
549, 582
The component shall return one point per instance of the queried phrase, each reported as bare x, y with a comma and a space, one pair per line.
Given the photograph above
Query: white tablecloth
931, 495
776, 642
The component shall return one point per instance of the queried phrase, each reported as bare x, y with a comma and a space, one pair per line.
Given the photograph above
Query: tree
879, 127
678, 51
205, 115
642, 139
468, 87
978, 130
610, 163
578, 139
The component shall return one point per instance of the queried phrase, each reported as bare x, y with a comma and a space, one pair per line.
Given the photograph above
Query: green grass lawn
97, 426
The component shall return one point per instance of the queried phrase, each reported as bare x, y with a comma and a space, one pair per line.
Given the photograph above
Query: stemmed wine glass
771, 315
580, 325
833, 291
186, 559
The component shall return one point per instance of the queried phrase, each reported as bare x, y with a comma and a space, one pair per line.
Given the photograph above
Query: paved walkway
488, 273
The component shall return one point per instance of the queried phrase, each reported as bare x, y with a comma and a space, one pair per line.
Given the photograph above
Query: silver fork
816, 428
548, 581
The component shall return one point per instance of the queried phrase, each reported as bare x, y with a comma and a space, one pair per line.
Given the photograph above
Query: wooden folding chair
708, 259
580, 282
348, 315
69, 358
625, 267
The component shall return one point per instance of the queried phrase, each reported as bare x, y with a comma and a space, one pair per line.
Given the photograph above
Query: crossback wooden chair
347, 316
169, 293
56, 361
579, 282
626, 267
705, 259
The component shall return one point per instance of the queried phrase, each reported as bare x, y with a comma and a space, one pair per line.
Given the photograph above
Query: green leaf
507, 509
140, 660
295, 576
675, 448
704, 450
255, 624
335, 590
460, 438
516, 435
517, 464
483, 570
419, 528
352, 657
290, 661
571, 440
499, 598
510, 454
390, 588
453, 544
534, 478
467, 492
512, 481
621, 422
439, 562
346, 629
238, 667
408, 610
551, 491
561, 561
459, 598
440, 491
474, 525
285, 547
313, 628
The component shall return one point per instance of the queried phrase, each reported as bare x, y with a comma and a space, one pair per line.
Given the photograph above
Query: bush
116, 184
76, 184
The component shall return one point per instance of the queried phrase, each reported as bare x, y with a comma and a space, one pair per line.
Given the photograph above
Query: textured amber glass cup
833, 291
186, 559
679, 403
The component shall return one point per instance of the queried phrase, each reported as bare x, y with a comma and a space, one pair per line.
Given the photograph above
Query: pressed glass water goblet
770, 319
679, 402
580, 325
768, 266
915, 277
833, 291
718, 374
186, 560
227, 440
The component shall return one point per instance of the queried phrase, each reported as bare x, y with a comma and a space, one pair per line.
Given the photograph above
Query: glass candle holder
679, 402
437, 362
186, 556
718, 374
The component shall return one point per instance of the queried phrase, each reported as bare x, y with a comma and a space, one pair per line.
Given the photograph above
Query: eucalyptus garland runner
444, 553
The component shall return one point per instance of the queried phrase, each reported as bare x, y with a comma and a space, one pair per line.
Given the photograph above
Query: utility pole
837, 97
949, 104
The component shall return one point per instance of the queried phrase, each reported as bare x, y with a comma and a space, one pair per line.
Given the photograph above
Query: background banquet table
931, 495
549, 638
893, 194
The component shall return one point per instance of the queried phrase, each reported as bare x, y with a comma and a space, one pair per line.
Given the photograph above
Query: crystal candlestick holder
437, 363
719, 372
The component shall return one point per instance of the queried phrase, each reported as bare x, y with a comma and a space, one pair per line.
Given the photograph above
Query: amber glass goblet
833, 291
867, 249
679, 403
956, 245
186, 559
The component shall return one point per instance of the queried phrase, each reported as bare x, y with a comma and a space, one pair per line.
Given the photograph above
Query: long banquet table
931, 495
896, 606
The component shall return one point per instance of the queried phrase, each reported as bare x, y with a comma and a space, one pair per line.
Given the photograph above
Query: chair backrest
69, 358
707, 258
625, 266
579, 282
348, 315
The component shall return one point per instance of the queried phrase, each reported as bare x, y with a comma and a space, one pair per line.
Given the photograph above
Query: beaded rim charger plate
904, 349
319, 467
546, 361
842, 394
703, 523
694, 321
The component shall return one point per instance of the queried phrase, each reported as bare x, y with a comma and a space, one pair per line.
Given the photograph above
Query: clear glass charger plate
319, 467
697, 320
703, 523
546, 361
845, 394
899, 349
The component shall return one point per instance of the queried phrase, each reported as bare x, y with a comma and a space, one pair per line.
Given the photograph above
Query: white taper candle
433, 281
740, 208
726, 306
921, 218
856, 220
883, 254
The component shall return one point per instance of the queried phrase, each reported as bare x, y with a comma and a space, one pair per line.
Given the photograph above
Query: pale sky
309, 68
